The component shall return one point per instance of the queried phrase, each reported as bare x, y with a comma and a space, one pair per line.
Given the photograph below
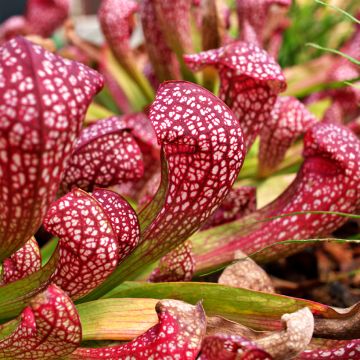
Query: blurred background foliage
312, 22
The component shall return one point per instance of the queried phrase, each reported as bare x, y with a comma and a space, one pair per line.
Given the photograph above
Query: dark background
12, 7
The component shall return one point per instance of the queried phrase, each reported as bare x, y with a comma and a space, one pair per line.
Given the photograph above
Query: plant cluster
141, 164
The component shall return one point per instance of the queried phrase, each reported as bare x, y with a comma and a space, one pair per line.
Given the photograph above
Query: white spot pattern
105, 154
44, 17
41, 114
250, 81
177, 336
22, 263
88, 242
253, 15
163, 59
117, 24
239, 202
144, 134
177, 265
49, 328
203, 148
332, 350
329, 180
123, 219
289, 119
231, 347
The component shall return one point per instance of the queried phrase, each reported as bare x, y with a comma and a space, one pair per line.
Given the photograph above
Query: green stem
143, 83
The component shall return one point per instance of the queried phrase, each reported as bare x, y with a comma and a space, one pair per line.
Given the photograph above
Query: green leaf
318, 108
48, 249
310, 22
349, 83
258, 310
16, 295
271, 188
8, 328
116, 319
140, 93
105, 98
96, 112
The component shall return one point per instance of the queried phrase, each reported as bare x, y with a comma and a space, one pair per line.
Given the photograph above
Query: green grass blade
334, 51
342, 11
264, 250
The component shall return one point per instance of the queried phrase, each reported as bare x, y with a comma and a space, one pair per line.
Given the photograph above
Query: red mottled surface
289, 119
178, 265
253, 15
329, 180
116, 19
22, 263
344, 107
13, 26
178, 335
174, 19
345, 100
89, 249
240, 201
334, 113
162, 58
149, 190
150, 75
355, 126
143, 131
145, 136
42, 17
332, 350
49, 328
231, 347
43, 100
249, 82
72, 52
203, 151
45, 16
105, 154
123, 219
344, 69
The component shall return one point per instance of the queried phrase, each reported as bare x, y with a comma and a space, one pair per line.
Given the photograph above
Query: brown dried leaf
220, 325
345, 324
245, 273
281, 345
284, 345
